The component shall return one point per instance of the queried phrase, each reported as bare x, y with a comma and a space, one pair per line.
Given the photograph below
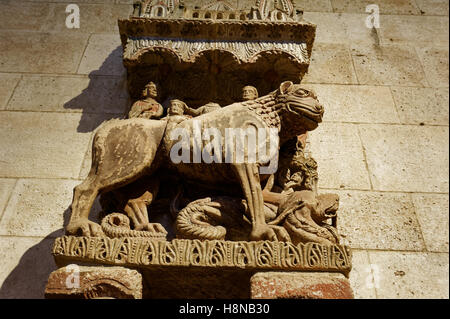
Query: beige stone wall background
383, 146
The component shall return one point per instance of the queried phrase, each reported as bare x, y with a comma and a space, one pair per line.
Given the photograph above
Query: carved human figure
176, 111
209, 107
178, 107
148, 107
249, 93
275, 9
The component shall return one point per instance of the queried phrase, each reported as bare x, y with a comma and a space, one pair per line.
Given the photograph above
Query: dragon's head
308, 203
307, 214
299, 106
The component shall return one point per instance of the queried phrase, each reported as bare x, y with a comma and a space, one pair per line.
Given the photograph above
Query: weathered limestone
27, 210
404, 29
102, 56
25, 52
410, 274
314, 6
395, 164
435, 64
400, 7
71, 94
7, 84
25, 270
229, 68
357, 103
279, 285
336, 146
45, 138
27, 16
83, 282
198, 269
360, 278
331, 63
111, 148
96, 17
148, 107
432, 213
6, 187
385, 221
388, 65
433, 7
342, 28
422, 105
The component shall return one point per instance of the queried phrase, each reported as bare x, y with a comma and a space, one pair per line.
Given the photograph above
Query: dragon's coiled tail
117, 225
198, 220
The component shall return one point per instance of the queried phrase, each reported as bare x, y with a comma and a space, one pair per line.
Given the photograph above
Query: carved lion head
300, 105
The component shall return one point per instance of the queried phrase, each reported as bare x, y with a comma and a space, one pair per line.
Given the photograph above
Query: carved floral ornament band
258, 255
189, 50
277, 10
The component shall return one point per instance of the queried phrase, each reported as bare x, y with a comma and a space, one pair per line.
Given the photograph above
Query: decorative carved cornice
262, 45
261, 10
148, 253
190, 50
300, 32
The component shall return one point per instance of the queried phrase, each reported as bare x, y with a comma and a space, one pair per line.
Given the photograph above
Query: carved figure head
176, 107
298, 170
249, 93
151, 90
299, 105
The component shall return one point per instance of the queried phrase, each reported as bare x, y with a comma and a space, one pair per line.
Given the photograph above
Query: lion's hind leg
122, 152
83, 198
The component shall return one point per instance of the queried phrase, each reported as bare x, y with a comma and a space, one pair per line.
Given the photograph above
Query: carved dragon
304, 214
301, 213
127, 150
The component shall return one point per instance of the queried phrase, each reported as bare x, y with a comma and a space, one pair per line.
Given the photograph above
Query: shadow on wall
29, 278
105, 97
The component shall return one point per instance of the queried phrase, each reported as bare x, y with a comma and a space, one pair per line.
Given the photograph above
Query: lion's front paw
84, 227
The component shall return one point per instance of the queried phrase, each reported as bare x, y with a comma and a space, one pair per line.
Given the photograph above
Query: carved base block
81, 282
296, 285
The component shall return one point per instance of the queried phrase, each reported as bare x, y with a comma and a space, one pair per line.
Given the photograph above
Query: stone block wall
383, 146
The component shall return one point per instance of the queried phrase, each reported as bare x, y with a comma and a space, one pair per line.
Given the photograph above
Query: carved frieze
190, 50
258, 255
261, 10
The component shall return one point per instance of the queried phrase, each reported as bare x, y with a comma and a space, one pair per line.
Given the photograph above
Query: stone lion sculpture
125, 151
